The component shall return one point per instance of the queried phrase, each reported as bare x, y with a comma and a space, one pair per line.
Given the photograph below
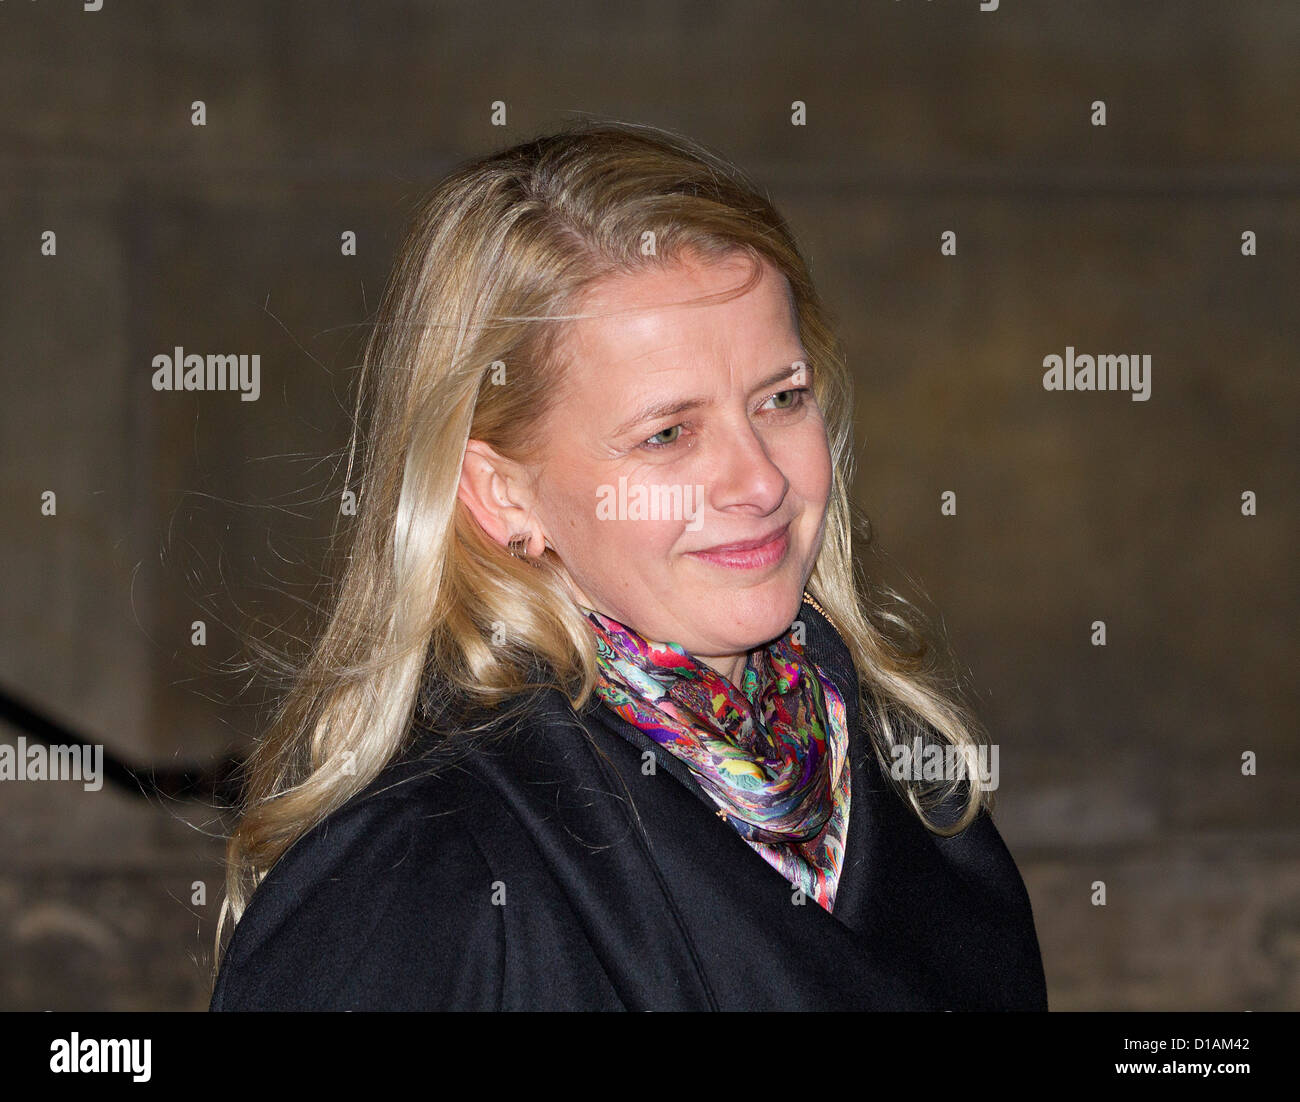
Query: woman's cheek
819, 454
806, 464
827, 473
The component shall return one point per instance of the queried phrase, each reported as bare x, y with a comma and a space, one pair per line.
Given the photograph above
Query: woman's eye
789, 399
783, 401
665, 437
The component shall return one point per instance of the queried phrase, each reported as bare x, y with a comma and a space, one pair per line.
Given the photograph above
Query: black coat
549, 871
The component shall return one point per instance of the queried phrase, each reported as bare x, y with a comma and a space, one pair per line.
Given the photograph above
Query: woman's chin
757, 617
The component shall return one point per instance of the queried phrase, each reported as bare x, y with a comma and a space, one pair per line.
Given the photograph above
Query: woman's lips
749, 554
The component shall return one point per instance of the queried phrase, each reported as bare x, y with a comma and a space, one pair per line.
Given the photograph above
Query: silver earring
518, 545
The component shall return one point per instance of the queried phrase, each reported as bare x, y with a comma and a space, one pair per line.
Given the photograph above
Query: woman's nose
742, 473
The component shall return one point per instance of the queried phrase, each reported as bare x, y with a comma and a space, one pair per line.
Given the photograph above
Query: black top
552, 870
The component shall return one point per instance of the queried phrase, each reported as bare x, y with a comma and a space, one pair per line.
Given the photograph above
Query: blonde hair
495, 256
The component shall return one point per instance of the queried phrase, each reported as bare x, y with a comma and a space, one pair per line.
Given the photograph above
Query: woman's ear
498, 493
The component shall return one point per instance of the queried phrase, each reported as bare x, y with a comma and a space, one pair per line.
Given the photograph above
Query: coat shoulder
386, 903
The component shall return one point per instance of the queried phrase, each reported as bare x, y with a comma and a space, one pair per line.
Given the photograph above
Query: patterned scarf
760, 751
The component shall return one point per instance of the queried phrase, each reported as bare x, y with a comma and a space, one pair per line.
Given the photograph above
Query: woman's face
686, 470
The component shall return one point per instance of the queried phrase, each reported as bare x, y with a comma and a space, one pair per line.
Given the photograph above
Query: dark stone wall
1119, 763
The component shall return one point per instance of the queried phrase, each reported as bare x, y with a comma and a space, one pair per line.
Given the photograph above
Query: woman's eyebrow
658, 410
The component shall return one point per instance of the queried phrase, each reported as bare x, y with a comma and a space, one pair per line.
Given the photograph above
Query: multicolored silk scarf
772, 753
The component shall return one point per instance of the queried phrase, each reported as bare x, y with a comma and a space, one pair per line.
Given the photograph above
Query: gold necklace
813, 601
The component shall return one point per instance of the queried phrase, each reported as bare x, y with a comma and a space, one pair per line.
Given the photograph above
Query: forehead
663, 309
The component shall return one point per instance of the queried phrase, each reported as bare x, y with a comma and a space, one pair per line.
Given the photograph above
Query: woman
600, 718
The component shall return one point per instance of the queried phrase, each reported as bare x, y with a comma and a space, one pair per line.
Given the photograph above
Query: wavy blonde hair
495, 258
